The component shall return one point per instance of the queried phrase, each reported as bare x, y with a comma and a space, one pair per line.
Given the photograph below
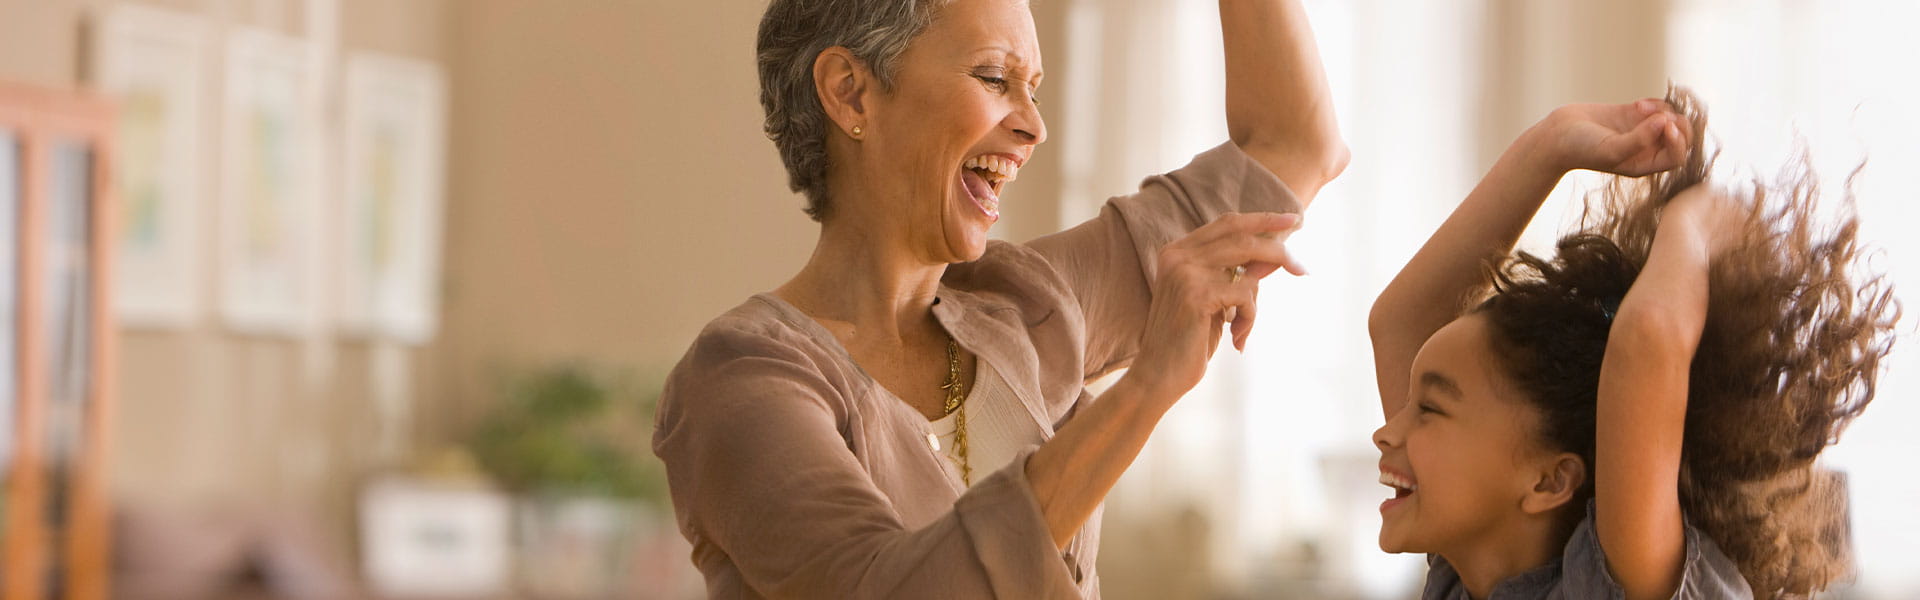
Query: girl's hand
1633, 139
1196, 290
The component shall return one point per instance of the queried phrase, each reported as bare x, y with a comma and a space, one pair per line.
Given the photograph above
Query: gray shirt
1580, 573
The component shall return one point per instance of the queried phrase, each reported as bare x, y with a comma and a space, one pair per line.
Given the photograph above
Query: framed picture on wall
151, 62
268, 208
389, 269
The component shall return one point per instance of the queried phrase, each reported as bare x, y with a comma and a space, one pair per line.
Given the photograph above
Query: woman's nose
1028, 124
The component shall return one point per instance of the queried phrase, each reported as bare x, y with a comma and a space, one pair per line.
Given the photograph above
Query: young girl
1638, 416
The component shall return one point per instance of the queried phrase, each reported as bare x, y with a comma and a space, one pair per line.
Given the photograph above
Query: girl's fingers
1645, 149
1676, 141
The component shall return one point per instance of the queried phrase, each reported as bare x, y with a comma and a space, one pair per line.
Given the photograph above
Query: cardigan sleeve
762, 477
1109, 261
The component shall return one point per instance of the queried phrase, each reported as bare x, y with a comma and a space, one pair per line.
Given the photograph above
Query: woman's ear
841, 80
1559, 479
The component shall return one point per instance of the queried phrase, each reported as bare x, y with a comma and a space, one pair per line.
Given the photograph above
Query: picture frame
394, 171
268, 244
152, 63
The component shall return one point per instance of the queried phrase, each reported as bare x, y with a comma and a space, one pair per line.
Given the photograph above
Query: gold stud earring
856, 131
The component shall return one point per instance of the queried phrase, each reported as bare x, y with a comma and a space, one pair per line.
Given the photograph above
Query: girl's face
957, 126
1460, 454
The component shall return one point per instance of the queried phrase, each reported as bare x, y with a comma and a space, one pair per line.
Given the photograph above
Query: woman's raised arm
1278, 108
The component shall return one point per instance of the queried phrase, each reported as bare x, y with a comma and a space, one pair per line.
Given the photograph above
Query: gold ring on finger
1234, 274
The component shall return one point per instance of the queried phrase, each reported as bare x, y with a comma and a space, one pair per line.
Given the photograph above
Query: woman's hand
1633, 139
1196, 290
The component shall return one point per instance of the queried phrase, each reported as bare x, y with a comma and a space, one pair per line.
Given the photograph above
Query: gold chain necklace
955, 396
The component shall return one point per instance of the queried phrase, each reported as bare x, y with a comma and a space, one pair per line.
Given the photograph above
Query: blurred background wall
608, 190
209, 417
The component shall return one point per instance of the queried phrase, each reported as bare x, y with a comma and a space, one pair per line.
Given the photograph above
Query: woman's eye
996, 82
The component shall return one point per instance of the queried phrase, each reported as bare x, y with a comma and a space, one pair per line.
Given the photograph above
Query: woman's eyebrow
1015, 59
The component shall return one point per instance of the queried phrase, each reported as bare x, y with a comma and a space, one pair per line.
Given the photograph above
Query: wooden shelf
54, 534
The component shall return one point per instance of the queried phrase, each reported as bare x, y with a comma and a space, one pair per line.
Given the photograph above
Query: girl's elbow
1380, 320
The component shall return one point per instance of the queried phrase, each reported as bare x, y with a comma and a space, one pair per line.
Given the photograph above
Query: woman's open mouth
983, 177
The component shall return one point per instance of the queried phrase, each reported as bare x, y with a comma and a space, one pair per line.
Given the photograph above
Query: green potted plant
572, 444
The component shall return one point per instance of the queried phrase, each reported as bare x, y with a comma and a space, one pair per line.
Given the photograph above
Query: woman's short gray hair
792, 35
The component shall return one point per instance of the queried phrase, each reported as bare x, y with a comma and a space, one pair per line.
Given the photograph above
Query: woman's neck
1501, 554
870, 282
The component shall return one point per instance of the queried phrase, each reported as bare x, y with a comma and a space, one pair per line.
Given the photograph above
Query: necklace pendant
933, 441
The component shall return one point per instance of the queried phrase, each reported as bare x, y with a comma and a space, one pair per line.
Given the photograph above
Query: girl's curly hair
1794, 335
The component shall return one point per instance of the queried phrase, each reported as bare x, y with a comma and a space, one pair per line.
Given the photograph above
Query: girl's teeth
1388, 479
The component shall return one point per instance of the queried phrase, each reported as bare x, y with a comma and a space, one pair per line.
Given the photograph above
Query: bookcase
57, 223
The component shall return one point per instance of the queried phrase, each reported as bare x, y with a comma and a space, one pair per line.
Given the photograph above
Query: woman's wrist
1143, 386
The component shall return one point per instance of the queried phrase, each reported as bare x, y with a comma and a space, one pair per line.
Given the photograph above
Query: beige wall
1544, 53
207, 417
612, 190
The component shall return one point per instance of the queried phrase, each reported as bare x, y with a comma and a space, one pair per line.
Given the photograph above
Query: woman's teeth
996, 170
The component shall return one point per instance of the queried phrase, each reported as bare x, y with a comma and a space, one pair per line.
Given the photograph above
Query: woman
906, 417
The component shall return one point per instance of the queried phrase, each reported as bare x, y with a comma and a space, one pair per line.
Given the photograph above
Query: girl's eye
1428, 409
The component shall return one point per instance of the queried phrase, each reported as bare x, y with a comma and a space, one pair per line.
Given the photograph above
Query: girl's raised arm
1641, 417
1631, 139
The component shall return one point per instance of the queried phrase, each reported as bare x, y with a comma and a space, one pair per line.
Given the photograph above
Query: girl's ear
841, 80
1558, 481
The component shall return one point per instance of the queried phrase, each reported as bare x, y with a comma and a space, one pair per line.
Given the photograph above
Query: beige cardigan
794, 474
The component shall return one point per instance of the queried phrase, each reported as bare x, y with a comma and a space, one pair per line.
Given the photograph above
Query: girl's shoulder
1581, 573
1708, 574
